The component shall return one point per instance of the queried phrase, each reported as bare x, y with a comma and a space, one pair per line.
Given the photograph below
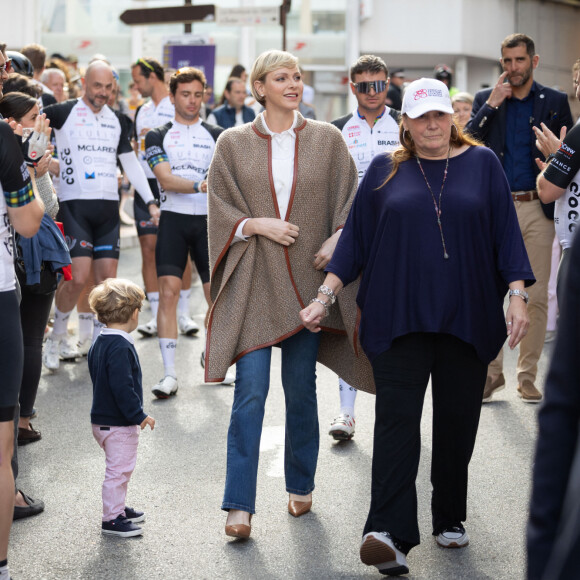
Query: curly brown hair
115, 300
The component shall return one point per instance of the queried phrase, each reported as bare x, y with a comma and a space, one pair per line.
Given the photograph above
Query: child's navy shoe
121, 526
134, 516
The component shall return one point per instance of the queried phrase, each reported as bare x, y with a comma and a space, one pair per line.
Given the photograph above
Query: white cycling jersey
363, 142
88, 145
149, 116
189, 150
564, 172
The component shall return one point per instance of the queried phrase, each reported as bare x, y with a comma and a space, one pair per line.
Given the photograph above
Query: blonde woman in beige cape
280, 190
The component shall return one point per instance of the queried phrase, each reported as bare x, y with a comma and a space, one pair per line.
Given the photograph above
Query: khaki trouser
538, 233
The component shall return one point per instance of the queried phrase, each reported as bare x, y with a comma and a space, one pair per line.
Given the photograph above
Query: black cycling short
180, 234
141, 212
91, 227
11, 354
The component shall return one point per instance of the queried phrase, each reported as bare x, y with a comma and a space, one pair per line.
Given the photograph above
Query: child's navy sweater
116, 375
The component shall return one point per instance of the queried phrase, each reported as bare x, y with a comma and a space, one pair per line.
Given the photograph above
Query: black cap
442, 71
20, 63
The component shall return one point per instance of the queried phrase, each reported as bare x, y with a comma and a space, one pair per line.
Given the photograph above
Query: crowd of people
382, 245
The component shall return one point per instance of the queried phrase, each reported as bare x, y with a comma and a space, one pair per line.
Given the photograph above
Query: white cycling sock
347, 397
97, 326
85, 325
153, 298
60, 326
183, 305
168, 347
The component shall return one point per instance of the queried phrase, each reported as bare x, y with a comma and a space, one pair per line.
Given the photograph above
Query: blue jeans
299, 354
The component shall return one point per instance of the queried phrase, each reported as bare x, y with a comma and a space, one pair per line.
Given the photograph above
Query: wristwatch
153, 202
521, 293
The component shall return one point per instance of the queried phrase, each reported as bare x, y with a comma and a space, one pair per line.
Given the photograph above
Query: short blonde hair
266, 63
462, 98
115, 300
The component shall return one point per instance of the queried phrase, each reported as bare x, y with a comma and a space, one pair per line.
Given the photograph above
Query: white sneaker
165, 388
50, 358
66, 351
187, 325
84, 345
342, 427
230, 379
378, 549
149, 328
454, 537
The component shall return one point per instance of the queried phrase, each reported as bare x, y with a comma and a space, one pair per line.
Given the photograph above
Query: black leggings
34, 313
401, 377
11, 355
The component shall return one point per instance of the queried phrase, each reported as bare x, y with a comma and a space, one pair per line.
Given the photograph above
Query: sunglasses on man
7, 66
365, 87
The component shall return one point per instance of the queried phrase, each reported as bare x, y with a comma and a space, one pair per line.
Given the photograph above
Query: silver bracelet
325, 304
327, 292
521, 293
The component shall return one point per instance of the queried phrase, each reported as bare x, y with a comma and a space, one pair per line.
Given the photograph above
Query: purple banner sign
199, 56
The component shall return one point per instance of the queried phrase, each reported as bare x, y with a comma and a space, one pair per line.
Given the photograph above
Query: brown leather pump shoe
241, 531
299, 508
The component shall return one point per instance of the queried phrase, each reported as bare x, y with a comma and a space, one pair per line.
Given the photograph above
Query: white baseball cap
425, 95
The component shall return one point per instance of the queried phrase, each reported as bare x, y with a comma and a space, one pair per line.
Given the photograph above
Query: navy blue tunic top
392, 238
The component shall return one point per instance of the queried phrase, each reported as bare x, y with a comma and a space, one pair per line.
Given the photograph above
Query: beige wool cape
258, 287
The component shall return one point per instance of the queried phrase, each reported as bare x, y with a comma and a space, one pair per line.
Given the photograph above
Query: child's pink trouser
120, 446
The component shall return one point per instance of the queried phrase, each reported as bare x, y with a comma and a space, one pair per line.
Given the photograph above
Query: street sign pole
284, 9
187, 25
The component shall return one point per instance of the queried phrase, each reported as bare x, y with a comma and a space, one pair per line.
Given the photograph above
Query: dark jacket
553, 535
117, 383
488, 125
226, 115
47, 246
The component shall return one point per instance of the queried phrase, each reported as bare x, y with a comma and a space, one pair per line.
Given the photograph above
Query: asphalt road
180, 477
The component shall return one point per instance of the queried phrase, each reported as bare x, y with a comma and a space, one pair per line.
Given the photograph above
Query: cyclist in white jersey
148, 75
372, 128
179, 153
21, 210
560, 182
90, 137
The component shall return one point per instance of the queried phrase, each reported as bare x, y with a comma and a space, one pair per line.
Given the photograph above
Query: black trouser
401, 376
561, 278
34, 313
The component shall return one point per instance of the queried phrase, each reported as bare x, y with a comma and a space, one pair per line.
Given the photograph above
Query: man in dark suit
503, 117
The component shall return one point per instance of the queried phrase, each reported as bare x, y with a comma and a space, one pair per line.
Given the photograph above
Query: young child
117, 411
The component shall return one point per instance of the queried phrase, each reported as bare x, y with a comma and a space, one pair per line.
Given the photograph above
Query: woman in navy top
434, 235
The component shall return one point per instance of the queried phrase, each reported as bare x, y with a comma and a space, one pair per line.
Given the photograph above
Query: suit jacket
226, 115
488, 125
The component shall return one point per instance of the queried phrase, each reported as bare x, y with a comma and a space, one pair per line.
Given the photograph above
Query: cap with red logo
425, 95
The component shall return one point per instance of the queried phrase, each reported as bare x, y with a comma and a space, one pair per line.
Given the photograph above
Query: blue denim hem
299, 491
227, 506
